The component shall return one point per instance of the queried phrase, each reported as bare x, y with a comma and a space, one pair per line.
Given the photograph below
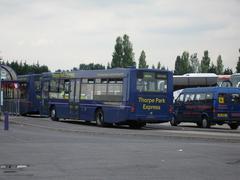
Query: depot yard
38, 148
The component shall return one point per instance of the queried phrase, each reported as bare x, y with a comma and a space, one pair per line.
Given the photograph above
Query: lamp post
1, 100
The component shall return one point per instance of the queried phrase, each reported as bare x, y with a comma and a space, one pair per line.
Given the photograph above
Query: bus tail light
170, 109
133, 108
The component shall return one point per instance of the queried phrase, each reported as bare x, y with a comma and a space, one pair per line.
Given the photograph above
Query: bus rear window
151, 82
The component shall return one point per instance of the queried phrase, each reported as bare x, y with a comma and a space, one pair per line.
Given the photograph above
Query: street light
1, 95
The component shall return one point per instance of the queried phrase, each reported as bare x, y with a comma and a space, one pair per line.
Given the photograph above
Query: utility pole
1, 100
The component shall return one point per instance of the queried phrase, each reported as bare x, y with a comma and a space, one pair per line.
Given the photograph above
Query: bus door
45, 99
74, 98
235, 106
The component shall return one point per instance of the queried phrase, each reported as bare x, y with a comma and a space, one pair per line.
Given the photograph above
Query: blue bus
116, 96
208, 106
30, 93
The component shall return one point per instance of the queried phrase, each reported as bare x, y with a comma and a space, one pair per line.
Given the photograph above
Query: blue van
208, 106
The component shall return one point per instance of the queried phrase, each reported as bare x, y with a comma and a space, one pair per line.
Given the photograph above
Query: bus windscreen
151, 82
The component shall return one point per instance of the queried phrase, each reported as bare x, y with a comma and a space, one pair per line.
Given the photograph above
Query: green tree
213, 68
123, 55
159, 65
219, 67
153, 66
182, 64
205, 62
185, 62
238, 64
128, 55
177, 70
108, 66
117, 57
142, 60
194, 63
228, 71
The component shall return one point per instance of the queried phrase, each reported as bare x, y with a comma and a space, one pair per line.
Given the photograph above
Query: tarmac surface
38, 148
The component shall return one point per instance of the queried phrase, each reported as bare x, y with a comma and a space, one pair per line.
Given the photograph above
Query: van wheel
53, 114
205, 123
233, 125
99, 117
173, 121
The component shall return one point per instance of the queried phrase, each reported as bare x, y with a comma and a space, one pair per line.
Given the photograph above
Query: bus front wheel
233, 125
205, 123
99, 117
53, 114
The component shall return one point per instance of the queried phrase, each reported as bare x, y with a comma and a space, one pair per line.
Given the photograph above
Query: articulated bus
116, 96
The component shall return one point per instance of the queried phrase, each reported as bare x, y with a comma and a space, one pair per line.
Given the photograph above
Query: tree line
187, 63
22, 68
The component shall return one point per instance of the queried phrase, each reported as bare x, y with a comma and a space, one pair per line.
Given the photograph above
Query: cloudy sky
64, 33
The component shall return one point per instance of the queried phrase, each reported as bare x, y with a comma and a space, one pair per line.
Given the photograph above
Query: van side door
178, 107
189, 107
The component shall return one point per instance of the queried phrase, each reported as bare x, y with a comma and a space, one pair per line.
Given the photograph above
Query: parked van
208, 106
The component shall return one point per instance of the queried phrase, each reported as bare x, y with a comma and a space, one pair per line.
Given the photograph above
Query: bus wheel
173, 121
205, 123
233, 125
99, 116
53, 114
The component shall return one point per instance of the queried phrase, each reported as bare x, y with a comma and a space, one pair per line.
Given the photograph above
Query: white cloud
74, 32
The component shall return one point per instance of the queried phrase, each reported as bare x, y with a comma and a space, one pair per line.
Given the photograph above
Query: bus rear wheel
173, 121
53, 114
99, 117
233, 125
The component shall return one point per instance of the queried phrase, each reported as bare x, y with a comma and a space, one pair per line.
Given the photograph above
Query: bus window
37, 86
235, 98
87, 89
77, 93
53, 89
66, 89
100, 89
54, 85
23, 90
151, 82
115, 87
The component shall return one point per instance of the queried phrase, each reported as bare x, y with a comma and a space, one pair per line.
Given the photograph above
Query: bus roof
212, 90
108, 73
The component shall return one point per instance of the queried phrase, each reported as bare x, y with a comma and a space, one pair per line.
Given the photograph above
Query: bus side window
87, 89
66, 89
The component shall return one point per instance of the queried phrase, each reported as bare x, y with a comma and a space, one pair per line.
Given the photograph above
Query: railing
12, 106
